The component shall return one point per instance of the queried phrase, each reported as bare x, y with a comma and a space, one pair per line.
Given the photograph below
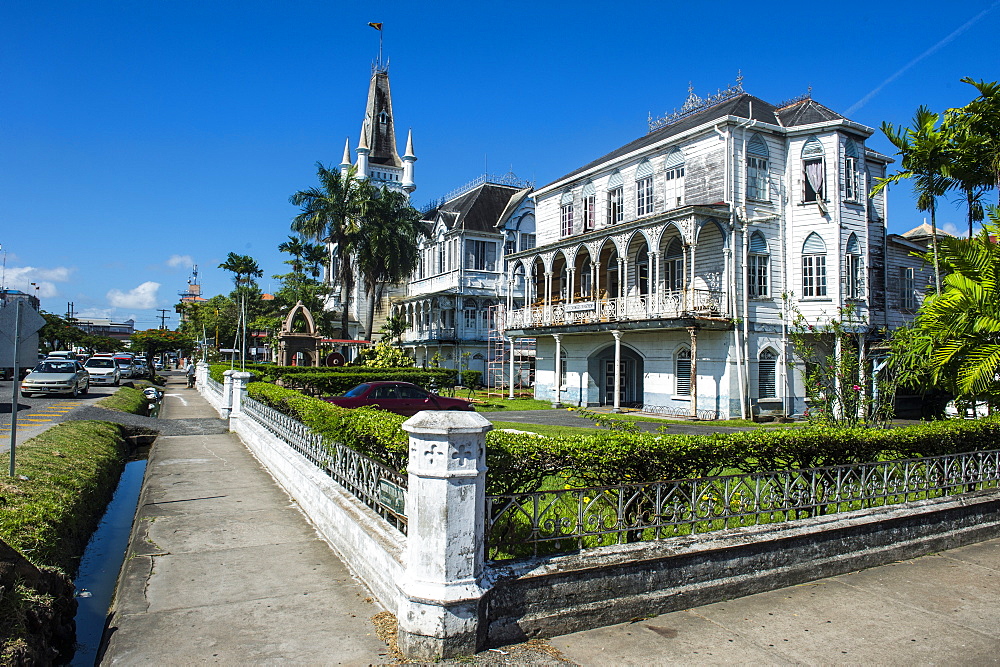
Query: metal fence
567, 520
215, 388
376, 485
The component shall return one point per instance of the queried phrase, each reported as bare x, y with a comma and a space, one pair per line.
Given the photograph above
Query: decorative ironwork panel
214, 387
561, 521
375, 484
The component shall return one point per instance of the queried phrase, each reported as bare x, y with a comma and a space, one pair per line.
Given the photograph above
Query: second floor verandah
666, 267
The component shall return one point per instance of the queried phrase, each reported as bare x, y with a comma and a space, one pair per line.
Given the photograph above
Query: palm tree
974, 135
294, 247
329, 214
387, 248
960, 326
244, 269
314, 257
924, 151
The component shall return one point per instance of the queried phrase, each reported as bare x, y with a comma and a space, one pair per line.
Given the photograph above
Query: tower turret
408, 159
363, 150
345, 163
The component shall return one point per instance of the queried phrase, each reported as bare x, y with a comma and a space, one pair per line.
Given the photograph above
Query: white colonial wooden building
680, 259
451, 299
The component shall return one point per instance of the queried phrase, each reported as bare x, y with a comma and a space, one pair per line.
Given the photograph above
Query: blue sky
140, 137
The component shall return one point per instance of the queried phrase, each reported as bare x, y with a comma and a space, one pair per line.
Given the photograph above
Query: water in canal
95, 583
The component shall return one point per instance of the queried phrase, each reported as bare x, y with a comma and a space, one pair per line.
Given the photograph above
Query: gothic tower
377, 157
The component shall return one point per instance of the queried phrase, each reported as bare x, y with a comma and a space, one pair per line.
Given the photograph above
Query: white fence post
240, 380
227, 394
441, 590
201, 375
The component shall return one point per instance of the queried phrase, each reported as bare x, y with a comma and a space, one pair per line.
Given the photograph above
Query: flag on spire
377, 26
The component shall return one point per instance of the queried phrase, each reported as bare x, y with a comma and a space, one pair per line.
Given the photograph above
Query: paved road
38, 413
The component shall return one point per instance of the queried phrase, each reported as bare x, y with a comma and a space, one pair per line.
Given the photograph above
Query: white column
201, 374
441, 587
558, 380
617, 406
693, 332
571, 273
240, 380
227, 394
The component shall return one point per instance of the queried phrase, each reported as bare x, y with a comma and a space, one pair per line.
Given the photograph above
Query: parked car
140, 369
125, 363
403, 398
56, 376
103, 370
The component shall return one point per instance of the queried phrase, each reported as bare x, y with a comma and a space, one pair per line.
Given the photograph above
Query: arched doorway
601, 366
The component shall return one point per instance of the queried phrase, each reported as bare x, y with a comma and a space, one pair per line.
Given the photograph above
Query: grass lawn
484, 403
547, 429
715, 422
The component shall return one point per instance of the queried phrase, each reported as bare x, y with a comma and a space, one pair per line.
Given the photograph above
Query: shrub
524, 462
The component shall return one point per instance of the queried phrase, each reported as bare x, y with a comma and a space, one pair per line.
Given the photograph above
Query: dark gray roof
476, 210
735, 106
743, 105
806, 112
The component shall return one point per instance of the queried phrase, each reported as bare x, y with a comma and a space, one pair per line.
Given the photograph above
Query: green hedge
524, 462
335, 381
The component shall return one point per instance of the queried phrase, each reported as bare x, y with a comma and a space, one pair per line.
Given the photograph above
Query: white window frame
644, 196
589, 206
682, 372
566, 220
616, 208
767, 369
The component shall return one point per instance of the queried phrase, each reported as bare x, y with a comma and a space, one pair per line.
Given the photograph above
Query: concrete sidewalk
222, 567
937, 609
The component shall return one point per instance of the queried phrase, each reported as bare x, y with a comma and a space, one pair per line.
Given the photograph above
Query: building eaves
512, 205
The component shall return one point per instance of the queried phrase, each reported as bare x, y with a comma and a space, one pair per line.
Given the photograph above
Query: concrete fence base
449, 601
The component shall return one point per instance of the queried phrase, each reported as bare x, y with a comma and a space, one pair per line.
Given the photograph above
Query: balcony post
617, 406
548, 289
557, 403
693, 332
571, 273
691, 301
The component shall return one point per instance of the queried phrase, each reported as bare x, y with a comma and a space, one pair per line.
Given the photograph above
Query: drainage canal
102, 560
95, 583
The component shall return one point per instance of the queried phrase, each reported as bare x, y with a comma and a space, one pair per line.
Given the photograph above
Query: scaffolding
510, 368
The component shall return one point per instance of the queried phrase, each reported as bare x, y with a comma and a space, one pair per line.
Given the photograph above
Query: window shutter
814, 245
758, 245
675, 158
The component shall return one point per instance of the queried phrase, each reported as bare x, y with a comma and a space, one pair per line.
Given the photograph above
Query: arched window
757, 169
758, 269
682, 372
586, 278
673, 173
813, 171
643, 189
767, 367
852, 178
566, 213
853, 269
813, 266
673, 261
615, 198
642, 270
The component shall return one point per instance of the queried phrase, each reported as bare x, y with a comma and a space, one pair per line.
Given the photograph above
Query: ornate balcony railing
561, 521
376, 485
665, 305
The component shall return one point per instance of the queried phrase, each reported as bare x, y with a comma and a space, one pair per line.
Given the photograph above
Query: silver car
103, 370
56, 376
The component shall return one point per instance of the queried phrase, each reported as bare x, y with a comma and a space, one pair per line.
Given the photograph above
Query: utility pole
70, 312
163, 317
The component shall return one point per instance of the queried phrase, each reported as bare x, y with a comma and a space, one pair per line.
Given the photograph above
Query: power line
163, 317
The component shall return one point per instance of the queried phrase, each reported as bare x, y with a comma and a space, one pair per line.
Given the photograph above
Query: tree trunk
370, 315
934, 246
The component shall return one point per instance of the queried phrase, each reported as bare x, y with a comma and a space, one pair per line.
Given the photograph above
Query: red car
403, 398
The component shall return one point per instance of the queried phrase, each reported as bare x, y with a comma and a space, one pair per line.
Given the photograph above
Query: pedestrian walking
189, 372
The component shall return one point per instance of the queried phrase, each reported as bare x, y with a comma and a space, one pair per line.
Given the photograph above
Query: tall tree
329, 214
387, 248
924, 151
297, 249
974, 156
314, 257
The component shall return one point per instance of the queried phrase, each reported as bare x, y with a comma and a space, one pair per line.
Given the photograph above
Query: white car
103, 370
56, 376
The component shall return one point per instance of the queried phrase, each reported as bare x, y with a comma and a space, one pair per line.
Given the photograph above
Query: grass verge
548, 429
126, 399
64, 479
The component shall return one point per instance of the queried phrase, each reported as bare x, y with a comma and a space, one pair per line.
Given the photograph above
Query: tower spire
345, 163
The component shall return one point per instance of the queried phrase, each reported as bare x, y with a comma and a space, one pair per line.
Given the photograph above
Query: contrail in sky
968, 24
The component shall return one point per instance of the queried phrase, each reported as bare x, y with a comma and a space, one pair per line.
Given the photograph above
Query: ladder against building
510, 368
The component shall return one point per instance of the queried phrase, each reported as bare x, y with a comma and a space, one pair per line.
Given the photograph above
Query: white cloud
180, 261
141, 297
95, 313
22, 277
955, 230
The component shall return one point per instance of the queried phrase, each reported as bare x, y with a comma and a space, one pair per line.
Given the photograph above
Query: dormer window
383, 118
757, 169
813, 171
